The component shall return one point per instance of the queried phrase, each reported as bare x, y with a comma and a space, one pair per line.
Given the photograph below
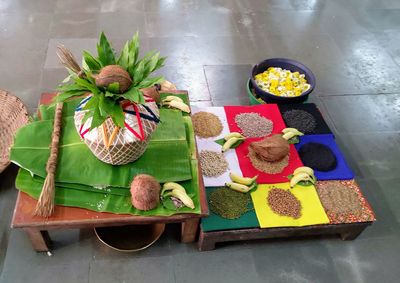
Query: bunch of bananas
231, 139
289, 133
175, 190
175, 102
303, 175
241, 184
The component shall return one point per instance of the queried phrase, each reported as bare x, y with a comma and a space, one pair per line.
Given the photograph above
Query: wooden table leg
205, 243
189, 230
40, 239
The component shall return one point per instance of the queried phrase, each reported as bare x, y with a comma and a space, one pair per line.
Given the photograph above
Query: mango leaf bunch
110, 79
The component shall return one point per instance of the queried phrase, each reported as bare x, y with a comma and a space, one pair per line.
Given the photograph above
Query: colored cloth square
269, 111
365, 213
320, 127
210, 144
312, 212
215, 222
249, 170
342, 170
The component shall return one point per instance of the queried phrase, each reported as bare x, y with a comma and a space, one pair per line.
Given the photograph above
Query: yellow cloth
312, 211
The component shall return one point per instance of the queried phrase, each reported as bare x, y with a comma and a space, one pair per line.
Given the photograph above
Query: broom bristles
45, 204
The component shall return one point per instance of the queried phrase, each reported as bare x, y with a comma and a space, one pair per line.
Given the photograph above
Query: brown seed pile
206, 125
212, 163
253, 125
284, 203
339, 199
228, 203
266, 166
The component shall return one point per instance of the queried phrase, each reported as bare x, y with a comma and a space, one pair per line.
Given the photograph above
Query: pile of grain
265, 166
206, 124
318, 156
228, 204
212, 163
253, 125
301, 120
339, 199
284, 203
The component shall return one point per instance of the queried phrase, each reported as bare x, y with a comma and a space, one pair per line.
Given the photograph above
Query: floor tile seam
356, 94
207, 83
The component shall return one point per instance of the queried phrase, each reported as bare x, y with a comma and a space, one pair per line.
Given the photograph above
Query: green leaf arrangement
107, 97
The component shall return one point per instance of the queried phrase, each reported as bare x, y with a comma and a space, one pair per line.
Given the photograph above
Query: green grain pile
229, 204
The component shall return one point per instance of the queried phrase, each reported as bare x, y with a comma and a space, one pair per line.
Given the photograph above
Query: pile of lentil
265, 166
284, 203
253, 125
206, 125
338, 199
212, 163
301, 120
228, 204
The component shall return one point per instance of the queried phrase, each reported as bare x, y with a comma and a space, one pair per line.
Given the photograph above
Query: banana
178, 105
287, 136
304, 169
227, 145
238, 187
293, 130
169, 98
242, 180
172, 186
233, 135
183, 197
299, 177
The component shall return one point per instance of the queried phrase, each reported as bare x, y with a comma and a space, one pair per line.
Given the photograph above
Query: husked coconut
271, 149
145, 191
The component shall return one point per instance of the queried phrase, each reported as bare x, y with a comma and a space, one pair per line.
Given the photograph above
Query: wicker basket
13, 115
130, 142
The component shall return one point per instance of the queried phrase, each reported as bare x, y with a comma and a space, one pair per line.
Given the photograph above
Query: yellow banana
172, 186
242, 180
227, 145
178, 105
183, 197
287, 136
293, 130
169, 98
238, 187
233, 135
299, 177
304, 169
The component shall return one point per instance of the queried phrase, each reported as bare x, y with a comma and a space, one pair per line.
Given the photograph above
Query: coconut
114, 74
145, 191
271, 149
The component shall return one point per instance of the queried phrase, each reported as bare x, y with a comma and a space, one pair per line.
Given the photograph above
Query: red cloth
271, 112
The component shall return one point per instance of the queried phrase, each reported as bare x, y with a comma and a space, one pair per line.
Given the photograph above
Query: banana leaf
166, 158
106, 202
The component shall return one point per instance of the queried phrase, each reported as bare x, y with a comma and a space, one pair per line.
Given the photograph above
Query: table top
73, 217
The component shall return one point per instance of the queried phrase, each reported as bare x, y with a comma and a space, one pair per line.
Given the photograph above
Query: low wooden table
76, 218
350, 231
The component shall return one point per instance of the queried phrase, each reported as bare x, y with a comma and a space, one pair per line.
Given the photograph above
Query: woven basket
130, 142
13, 115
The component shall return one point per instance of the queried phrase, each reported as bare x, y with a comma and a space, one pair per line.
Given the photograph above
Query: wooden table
76, 218
350, 231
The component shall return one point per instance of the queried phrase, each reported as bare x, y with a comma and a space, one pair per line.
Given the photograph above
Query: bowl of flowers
283, 81
117, 113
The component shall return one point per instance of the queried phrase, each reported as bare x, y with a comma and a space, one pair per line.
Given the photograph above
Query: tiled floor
353, 47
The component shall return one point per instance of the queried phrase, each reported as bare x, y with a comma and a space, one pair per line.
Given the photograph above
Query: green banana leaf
76, 164
102, 201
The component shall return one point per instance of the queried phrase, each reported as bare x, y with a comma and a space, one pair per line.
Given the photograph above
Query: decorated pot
118, 146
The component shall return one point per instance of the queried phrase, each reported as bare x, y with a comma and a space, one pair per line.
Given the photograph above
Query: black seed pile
318, 156
301, 120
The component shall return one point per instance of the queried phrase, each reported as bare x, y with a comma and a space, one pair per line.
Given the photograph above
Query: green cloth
168, 145
215, 222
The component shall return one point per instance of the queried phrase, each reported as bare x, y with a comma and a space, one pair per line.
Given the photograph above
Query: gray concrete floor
353, 47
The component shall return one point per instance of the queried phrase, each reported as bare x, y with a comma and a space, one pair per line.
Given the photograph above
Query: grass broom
45, 204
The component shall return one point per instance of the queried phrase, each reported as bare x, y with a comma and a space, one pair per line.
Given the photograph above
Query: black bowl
287, 64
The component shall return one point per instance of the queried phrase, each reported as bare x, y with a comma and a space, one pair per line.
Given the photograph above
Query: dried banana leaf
107, 202
168, 146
